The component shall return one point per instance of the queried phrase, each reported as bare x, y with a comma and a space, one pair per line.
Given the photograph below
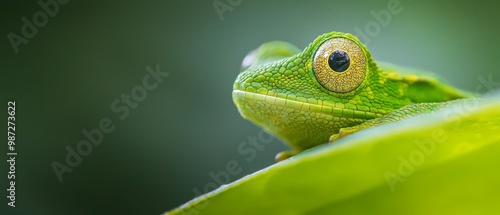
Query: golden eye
340, 65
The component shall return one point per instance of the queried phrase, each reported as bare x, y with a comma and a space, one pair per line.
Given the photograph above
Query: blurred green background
91, 52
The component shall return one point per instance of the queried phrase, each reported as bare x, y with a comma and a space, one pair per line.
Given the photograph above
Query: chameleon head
304, 97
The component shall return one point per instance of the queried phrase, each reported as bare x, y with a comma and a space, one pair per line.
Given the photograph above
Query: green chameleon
329, 90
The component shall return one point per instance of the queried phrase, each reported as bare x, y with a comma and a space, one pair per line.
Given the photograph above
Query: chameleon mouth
292, 118
329, 109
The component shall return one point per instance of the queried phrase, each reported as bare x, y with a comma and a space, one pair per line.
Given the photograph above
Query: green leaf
441, 163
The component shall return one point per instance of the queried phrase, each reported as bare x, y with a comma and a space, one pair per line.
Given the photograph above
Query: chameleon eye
339, 65
339, 61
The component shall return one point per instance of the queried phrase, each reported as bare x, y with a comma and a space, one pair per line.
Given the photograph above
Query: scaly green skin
278, 91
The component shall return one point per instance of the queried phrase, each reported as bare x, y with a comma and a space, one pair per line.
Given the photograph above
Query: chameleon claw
342, 133
284, 155
333, 138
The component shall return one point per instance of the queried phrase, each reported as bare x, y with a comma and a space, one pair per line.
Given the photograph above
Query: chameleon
329, 90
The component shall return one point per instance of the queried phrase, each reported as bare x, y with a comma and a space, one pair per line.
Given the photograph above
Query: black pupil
339, 61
